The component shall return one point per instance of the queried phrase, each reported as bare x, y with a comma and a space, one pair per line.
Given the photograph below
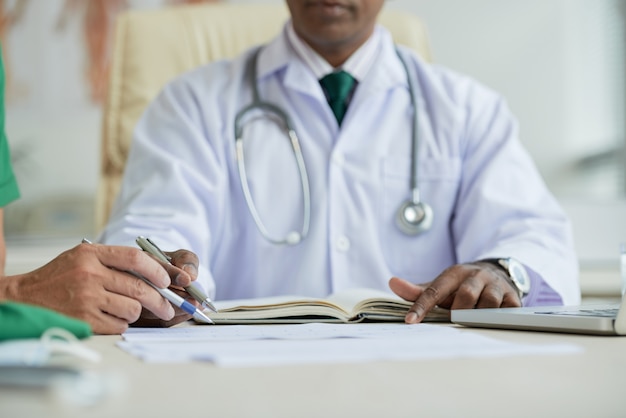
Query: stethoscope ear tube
292, 237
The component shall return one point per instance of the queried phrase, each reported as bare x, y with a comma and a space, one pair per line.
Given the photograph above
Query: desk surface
587, 384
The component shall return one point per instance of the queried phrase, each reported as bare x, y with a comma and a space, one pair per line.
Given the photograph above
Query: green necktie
338, 86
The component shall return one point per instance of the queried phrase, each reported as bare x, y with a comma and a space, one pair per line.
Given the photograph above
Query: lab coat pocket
419, 257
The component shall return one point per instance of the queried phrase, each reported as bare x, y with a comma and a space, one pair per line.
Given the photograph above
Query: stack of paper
270, 345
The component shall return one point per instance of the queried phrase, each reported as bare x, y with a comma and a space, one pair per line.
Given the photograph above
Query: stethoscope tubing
257, 104
412, 205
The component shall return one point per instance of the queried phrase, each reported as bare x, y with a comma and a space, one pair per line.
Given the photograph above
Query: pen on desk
194, 289
172, 297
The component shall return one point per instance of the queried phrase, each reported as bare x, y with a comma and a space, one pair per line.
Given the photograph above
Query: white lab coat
182, 187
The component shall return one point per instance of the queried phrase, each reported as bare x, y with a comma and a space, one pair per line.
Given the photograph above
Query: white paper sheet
317, 331
271, 345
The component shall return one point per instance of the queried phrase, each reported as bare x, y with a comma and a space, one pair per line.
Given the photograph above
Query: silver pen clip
156, 248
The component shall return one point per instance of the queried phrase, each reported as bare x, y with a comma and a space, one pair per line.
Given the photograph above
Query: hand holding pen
193, 289
172, 297
177, 300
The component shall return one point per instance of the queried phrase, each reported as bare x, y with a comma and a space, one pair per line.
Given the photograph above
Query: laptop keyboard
606, 312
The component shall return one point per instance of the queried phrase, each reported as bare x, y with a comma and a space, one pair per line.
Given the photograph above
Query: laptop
595, 319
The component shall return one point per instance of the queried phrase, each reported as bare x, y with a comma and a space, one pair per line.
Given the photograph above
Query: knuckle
134, 311
431, 292
80, 311
466, 295
81, 293
418, 307
490, 299
83, 248
81, 271
453, 270
185, 256
138, 288
135, 256
511, 301
465, 290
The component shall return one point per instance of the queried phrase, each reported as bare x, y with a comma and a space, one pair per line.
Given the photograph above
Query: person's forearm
8, 288
2, 244
3, 292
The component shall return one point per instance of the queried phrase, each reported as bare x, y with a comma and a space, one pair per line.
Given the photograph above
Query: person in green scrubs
89, 282
9, 190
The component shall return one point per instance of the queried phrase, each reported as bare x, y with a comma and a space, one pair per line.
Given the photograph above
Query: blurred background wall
559, 63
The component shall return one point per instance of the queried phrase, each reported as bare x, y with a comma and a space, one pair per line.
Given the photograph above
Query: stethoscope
413, 216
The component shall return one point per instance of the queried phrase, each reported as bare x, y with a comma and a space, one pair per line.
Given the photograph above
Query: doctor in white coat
493, 234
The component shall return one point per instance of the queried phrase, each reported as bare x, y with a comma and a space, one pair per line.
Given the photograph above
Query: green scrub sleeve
9, 190
20, 320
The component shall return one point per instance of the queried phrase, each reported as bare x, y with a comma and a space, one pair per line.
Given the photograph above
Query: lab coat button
343, 243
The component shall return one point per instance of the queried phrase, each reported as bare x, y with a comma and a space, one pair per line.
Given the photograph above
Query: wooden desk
590, 384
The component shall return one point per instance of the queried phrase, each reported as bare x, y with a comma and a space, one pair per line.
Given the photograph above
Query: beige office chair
151, 47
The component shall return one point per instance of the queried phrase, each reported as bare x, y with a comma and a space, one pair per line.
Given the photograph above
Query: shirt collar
357, 65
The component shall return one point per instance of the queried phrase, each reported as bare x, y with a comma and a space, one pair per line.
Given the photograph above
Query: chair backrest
153, 46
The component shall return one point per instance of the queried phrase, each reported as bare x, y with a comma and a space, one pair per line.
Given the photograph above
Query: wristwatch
518, 276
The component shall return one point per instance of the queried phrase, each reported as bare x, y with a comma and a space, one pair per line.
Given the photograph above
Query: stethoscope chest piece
414, 218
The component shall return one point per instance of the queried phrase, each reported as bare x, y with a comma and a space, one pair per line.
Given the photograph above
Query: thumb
404, 289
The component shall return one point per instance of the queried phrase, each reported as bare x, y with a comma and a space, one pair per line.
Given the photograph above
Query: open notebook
601, 319
346, 306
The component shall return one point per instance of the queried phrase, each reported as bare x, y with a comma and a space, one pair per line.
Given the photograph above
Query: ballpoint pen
175, 299
194, 289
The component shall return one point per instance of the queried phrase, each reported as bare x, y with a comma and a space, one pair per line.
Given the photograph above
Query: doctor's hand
88, 282
182, 271
462, 286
